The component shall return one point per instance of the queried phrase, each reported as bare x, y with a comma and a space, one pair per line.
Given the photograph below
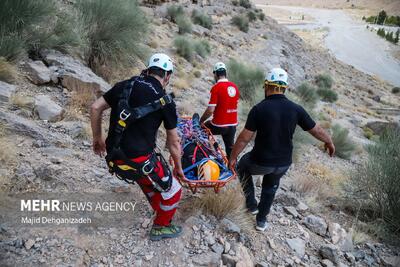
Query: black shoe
253, 211
261, 226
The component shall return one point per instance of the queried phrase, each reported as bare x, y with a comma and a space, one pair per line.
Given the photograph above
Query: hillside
46, 152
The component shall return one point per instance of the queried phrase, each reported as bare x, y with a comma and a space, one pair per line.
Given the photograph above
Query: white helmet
161, 61
219, 66
277, 76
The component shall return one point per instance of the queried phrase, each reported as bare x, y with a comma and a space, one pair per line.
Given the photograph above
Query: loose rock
37, 72
316, 224
47, 109
330, 252
297, 245
6, 90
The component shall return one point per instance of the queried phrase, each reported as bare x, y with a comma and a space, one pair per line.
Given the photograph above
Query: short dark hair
220, 73
158, 71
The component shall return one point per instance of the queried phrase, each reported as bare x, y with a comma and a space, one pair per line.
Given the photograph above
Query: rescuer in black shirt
274, 121
131, 140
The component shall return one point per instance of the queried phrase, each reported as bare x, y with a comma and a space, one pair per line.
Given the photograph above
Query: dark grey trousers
270, 184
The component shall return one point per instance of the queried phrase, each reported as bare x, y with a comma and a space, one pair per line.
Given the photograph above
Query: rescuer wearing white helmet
138, 107
273, 121
223, 105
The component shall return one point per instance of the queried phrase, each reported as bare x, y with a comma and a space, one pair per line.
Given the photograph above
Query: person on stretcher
198, 158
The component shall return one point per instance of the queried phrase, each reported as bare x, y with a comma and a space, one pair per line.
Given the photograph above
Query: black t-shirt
140, 137
275, 119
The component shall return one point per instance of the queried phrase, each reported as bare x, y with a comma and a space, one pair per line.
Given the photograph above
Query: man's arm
96, 112
174, 147
207, 113
319, 133
241, 142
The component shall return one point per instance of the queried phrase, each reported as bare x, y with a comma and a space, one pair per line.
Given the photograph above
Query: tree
381, 17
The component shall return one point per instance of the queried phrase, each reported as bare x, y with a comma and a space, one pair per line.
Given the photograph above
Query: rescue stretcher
191, 132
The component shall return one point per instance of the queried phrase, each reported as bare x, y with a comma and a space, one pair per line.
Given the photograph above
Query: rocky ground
46, 148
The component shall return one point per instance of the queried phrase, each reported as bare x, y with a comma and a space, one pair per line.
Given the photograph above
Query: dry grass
228, 203
358, 236
80, 103
181, 83
319, 182
8, 151
8, 73
22, 101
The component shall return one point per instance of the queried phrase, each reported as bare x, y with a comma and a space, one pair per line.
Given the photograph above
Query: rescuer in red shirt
223, 106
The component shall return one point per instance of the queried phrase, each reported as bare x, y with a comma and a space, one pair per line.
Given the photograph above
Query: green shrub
324, 81
28, 26
184, 25
184, 47
343, 144
175, 11
307, 94
261, 16
396, 90
248, 78
327, 95
252, 16
202, 48
375, 184
202, 19
115, 30
245, 3
242, 22
235, 2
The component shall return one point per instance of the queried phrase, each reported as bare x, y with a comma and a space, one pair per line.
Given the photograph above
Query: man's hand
99, 146
232, 163
178, 173
330, 147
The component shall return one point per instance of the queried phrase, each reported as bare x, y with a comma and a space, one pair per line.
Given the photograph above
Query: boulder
47, 109
336, 232
330, 252
244, 256
292, 211
6, 90
206, 259
38, 72
302, 207
287, 200
316, 224
327, 263
229, 226
298, 245
73, 74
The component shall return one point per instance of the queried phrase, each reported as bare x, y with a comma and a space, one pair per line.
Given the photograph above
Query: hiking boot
159, 232
261, 226
253, 211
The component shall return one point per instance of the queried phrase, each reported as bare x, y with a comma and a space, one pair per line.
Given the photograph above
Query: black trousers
227, 133
270, 184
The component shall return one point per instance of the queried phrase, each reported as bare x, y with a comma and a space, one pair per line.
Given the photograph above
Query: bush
327, 95
324, 81
115, 30
184, 25
396, 90
202, 19
175, 11
185, 47
252, 16
248, 78
197, 73
307, 94
7, 71
261, 16
343, 144
202, 48
242, 22
245, 3
28, 26
375, 184
235, 2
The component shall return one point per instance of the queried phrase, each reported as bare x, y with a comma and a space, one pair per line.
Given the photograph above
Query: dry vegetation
8, 72
228, 203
